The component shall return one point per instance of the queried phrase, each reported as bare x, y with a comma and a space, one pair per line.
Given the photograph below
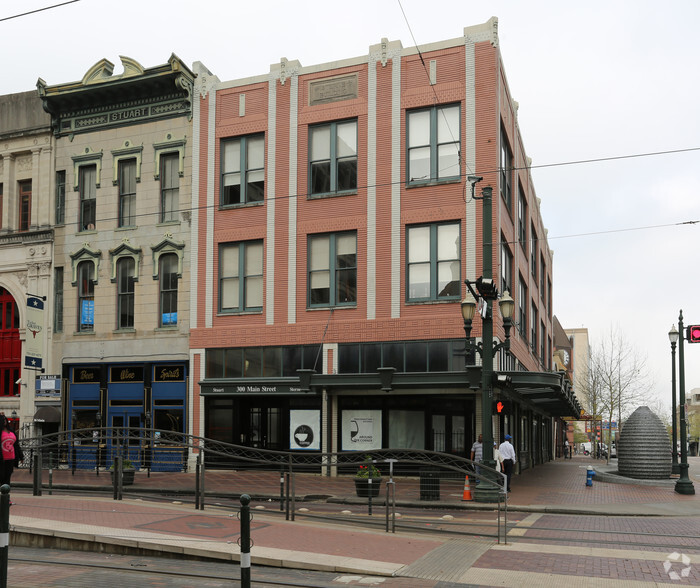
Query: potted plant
128, 470
368, 479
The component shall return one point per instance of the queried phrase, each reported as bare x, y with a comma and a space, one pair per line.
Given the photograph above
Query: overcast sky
594, 80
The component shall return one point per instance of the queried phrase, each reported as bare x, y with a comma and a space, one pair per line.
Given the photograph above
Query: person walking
477, 454
497, 456
566, 449
508, 455
11, 451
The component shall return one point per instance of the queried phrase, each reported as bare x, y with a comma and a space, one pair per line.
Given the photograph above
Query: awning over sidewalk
48, 414
549, 391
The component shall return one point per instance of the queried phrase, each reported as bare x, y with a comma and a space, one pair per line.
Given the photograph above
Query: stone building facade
26, 251
121, 279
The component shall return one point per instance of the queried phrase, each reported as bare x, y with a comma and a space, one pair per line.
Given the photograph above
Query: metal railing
414, 476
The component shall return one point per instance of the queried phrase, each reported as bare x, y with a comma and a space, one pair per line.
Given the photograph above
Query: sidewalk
556, 487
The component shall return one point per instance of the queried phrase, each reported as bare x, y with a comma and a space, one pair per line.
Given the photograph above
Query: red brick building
333, 228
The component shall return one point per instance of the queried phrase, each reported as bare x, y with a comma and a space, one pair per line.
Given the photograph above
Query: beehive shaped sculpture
644, 450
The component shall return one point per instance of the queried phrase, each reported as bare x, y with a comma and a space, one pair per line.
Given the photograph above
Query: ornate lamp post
683, 485
486, 348
673, 338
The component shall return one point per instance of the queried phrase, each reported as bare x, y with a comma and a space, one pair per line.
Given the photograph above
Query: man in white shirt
477, 453
508, 455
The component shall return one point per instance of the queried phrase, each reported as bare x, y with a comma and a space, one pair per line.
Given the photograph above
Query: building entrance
264, 426
10, 345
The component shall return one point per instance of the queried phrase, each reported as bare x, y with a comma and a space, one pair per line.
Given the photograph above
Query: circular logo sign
304, 436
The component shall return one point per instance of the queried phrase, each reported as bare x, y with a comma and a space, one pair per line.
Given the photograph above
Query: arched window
168, 289
125, 293
86, 296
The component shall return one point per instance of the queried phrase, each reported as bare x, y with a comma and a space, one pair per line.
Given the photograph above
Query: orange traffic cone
467, 491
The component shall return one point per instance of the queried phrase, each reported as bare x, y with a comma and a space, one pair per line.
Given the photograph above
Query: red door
10, 346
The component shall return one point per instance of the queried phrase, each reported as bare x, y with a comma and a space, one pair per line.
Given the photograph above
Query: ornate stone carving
643, 449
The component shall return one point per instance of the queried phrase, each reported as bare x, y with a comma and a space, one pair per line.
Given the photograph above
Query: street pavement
613, 533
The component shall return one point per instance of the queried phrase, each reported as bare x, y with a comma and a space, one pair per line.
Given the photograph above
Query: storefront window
169, 419
407, 429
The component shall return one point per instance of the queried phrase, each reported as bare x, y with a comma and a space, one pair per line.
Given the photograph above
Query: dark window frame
434, 144
86, 294
242, 277
167, 290
449, 291
169, 186
126, 175
251, 180
24, 198
340, 169
505, 165
126, 281
87, 188
337, 266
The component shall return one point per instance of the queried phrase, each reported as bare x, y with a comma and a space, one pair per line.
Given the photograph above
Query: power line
38, 10
389, 184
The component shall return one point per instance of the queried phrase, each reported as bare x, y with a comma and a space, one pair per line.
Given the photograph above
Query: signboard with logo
362, 430
34, 343
305, 429
48, 386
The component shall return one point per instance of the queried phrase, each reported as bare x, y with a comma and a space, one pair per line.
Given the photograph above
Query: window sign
169, 318
305, 429
362, 430
87, 312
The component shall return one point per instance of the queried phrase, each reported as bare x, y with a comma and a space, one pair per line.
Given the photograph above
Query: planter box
127, 476
363, 487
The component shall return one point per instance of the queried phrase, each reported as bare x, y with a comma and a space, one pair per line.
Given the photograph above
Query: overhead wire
389, 184
38, 10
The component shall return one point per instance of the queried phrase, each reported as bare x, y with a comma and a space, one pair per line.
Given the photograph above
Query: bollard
4, 532
589, 476
196, 481
244, 541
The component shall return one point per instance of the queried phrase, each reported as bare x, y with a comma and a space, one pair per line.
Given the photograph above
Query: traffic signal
694, 334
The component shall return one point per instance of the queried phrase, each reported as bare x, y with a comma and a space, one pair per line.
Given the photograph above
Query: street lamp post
683, 485
673, 338
487, 293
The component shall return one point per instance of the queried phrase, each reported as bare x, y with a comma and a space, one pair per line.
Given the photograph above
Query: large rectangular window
543, 275
241, 276
534, 325
533, 252
506, 170
60, 197
333, 157
167, 273
87, 186
127, 192
522, 218
58, 300
242, 170
434, 268
169, 187
433, 144
522, 308
86, 296
506, 267
25, 205
332, 269
125, 293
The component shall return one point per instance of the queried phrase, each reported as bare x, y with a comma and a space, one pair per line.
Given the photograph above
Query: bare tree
621, 375
588, 389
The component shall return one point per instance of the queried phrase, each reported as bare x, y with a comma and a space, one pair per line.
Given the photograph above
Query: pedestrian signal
501, 407
694, 334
